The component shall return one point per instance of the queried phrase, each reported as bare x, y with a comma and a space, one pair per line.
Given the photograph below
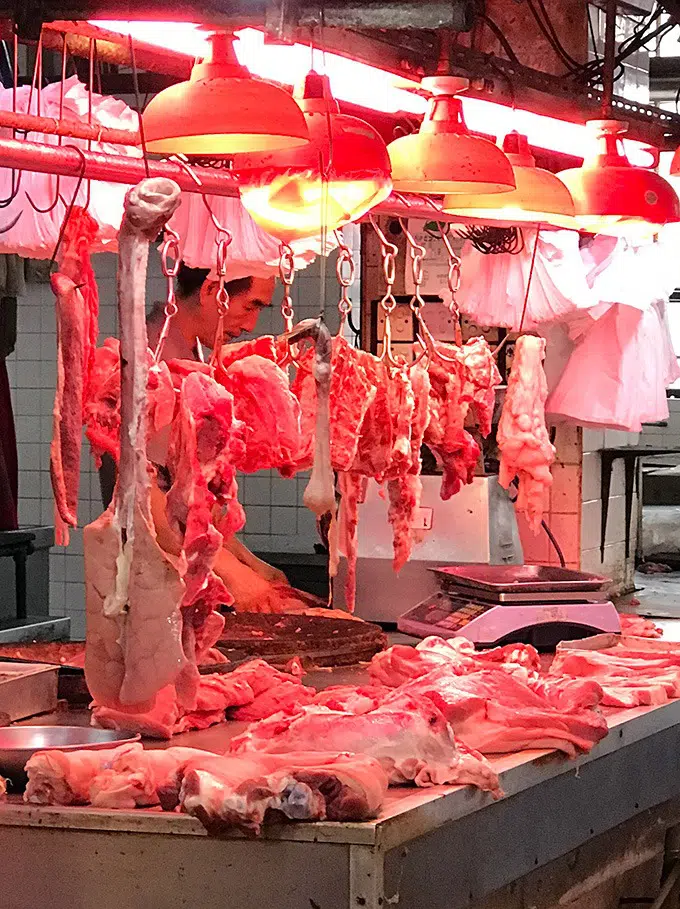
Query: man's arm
251, 591
246, 557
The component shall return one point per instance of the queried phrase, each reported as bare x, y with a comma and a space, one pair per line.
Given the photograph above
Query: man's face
244, 309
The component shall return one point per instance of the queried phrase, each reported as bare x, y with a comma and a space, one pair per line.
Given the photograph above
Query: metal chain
170, 262
453, 277
346, 273
287, 275
222, 296
388, 303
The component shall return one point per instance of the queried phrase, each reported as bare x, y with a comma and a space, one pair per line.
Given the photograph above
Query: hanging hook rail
170, 262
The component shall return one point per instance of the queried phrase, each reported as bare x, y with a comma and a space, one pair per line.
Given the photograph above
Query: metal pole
609, 63
72, 129
69, 161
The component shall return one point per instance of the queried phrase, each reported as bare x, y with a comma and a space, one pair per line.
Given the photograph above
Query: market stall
221, 736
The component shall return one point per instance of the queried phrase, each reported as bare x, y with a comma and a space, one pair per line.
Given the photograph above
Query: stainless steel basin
18, 743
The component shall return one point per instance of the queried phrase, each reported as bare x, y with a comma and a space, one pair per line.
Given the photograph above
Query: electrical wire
502, 40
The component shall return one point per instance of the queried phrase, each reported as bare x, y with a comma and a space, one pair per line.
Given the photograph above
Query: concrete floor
659, 596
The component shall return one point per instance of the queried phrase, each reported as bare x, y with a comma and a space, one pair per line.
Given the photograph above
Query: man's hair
189, 280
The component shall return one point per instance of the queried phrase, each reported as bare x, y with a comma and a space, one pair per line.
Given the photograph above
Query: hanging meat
446, 435
77, 316
102, 404
133, 592
526, 450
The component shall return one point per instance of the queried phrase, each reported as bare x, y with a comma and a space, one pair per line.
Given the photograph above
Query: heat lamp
613, 197
221, 110
342, 173
443, 156
539, 197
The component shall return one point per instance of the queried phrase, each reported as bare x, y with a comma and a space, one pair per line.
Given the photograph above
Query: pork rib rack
134, 633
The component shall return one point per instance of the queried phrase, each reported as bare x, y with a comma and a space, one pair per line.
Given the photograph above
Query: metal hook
57, 197
388, 303
170, 262
71, 205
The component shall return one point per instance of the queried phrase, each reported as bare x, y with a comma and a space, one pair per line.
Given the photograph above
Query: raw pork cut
412, 740
238, 791
255, 684
495, 712
204, 442
102, 406
134, 646
351, 698
446, 435
77, 312
352, 392
401, 663
639, 626
526, 450
143, 779
67, 417
65, 777
269, 411
628, 679
482, 378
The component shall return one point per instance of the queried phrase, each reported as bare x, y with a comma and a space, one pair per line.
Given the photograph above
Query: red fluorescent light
367, 86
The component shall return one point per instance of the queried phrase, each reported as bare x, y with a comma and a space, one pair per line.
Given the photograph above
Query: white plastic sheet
617, 375
493, 287
252, 252
36, 233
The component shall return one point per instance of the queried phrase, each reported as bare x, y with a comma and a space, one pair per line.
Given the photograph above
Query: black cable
555, 544
555, 37
593, 38
571, 64
503, 41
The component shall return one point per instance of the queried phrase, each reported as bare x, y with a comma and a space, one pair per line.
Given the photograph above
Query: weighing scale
496, 604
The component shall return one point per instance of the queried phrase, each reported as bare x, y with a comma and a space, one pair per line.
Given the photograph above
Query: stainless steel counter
441, 848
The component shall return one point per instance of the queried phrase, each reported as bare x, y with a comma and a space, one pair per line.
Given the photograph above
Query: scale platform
496, 604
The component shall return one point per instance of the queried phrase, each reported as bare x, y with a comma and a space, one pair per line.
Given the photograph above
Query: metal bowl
18, 743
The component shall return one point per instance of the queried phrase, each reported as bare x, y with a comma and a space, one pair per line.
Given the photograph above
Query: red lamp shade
611, 196
342, 173
443, 157
539, 197
222, 110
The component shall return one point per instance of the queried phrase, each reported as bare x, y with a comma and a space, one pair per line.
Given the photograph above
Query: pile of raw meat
223, 791
430, 716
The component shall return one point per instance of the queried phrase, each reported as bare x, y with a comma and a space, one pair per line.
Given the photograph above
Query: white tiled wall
668, 436
276, 520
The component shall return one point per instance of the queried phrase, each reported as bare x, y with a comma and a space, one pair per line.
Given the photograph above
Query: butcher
251, 581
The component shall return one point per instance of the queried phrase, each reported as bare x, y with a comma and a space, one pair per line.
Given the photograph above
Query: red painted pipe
73, 129
69, 161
